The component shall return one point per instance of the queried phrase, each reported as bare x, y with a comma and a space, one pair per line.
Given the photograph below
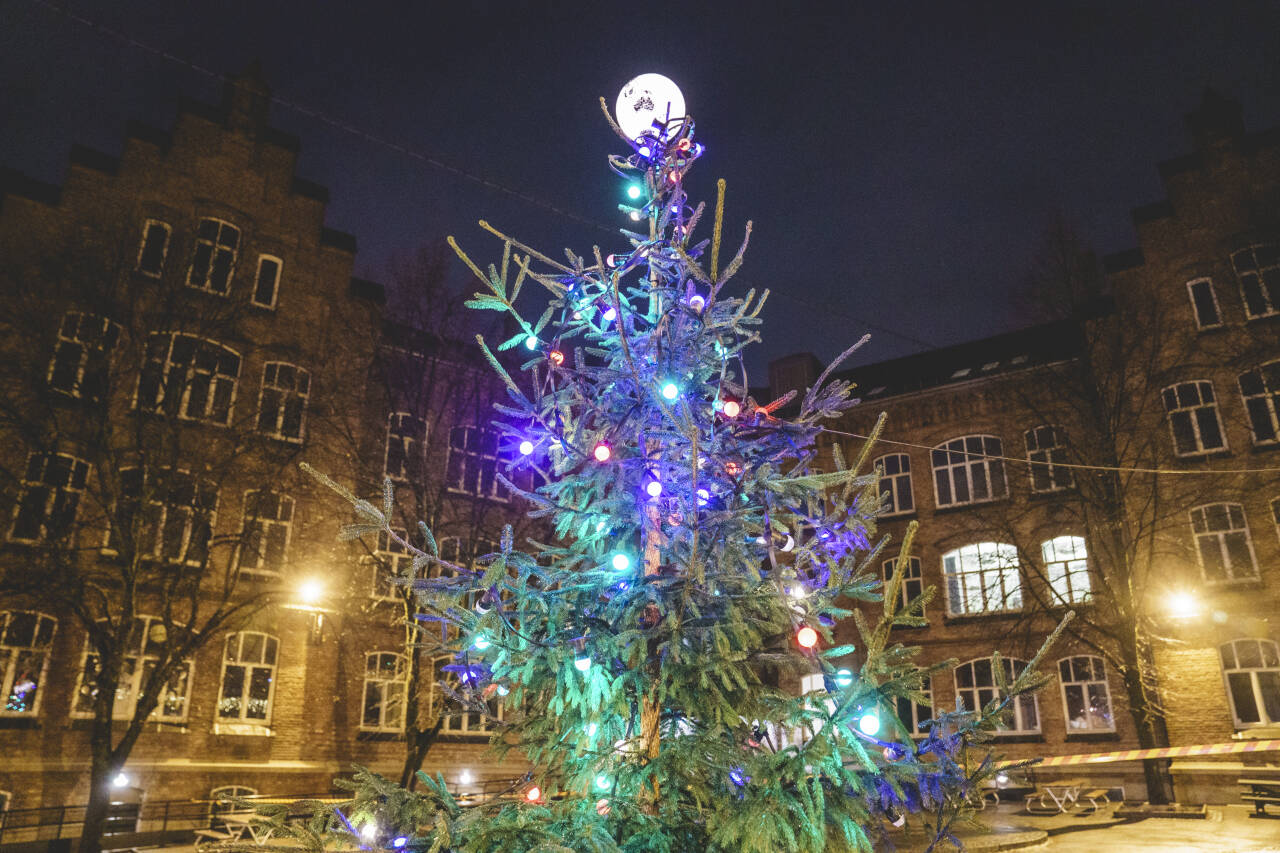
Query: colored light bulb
608, 315
531, 342
603, 781
869, 723
697, 303
843, 678
731, 408
481, 643
634, 191
533, 794
703, 497
670, 391
807, 637
526, 447
582, 664
635, 216
556, 357
603, 451
399, 842
645, 151
621, 562
654, 488
737, 777
503, 690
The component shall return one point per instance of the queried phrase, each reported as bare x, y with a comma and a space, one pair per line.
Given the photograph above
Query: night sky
900, 161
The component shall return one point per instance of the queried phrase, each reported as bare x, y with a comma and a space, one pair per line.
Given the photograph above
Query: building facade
183, 331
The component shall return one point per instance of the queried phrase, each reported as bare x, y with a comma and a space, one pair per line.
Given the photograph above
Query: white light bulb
646, 99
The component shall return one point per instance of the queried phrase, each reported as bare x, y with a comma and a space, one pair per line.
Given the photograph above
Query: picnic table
236, 825
1260, 792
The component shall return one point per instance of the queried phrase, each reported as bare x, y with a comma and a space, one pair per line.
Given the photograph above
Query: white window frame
130, 687
1259, 272
1254, 673
1068, 680
77, 470
1191, 412
1200, 518
998, 574
164, 249
970, 465
912, 581
269, 643
376, 681
252, 516
88, 350
468, 458
275, 288
412, 445
272, 372
895, 485
912, 714
214, 247
1266, 403
390, 559
145, 501
1048, 458
1213, 297
980, 694
166, 367
9, 653
1066, 563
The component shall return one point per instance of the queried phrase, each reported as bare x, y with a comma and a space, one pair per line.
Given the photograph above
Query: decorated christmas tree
650, 655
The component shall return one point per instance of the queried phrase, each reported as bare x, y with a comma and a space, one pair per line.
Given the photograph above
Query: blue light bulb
526, 447
481, 643
670, 391
621, 562
844, 677
634, 191
399, 842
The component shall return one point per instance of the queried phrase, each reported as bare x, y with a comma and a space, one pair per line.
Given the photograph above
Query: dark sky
900, 161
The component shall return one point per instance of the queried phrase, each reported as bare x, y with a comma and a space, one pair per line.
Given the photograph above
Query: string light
807, 637
731, 408
531, 342
555, 357
399, 842
634, 191
481, 643
843, 678
582, 664
653, 488
621, 562
602, 451
526, 447
670, 391
603, 781
533, 794
869, 723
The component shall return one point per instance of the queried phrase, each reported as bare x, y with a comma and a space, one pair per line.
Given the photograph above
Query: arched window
82, 356
1066, 562
385, 682
1086, 697
1252, 670
188, 376
966, 470
26, 638
143, 647
913, 714
982, 578
154, 247
895, 482
169, 512
469, 722
1223, 543
248, 678
976, 686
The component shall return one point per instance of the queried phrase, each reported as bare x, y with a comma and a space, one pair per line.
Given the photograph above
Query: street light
1182, 605
308, 595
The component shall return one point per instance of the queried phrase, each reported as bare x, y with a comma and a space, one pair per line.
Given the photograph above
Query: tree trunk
1152, 734
419, 744
95, 813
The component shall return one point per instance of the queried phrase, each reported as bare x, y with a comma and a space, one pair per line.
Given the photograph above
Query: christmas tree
701, 564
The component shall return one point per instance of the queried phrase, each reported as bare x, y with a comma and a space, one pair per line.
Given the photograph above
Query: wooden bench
1260, 792
1097, 798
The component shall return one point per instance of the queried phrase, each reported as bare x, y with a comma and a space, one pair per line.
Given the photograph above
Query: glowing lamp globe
670, 391
533, 794
399, 842
556, 357
647, 99
869, 723
481, 643
653, 488
634, 191
602, 452
621, 562
807, 637
732, 408
526, 447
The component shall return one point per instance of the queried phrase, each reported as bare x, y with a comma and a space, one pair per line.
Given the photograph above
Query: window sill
1234, 583
242, 729
896, 516
377, 736
1265, 447
960, 619
1204, 456
1019, 737
1092, 737
970, 505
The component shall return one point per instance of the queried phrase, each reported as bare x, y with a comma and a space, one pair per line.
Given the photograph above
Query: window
405, 437
155, 245
167, 513
215, 256
1066, 562
1258, 271
248, 678
1204, 302
1252, 671
473, 463
268, 517
267, 283
25, 640
982, 578
1223, 543
1047, 454
1260, 389
82, 355
912, 582
913, 714
143, 647
385, 682
50, 495
391, 559
895, 479
283, 406
976, 686
469, 721
1193, 418
965, 470
1085, 695
190, 377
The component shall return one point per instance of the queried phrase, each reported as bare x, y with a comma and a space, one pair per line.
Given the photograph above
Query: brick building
183, 330
1174, 366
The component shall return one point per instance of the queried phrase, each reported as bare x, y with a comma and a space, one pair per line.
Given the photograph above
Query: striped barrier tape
1164, 752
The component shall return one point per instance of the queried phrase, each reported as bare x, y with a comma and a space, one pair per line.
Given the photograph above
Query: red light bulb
732, 409
533, 794
807, 637
556, 357
603, 451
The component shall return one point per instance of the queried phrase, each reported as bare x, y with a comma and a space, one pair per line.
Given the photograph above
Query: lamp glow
369, 831
120, 780
582, 664
634, 191
603, 781
621, 562
670, 391
481, 643
732, 408
533, 794
592, 728
526, 447
843, 678
807, 637
703, 497
646, 100
635, 216
697, 303
609, 315
310, 591
653, 488
556, 357
869, 723
531, 342
1183, 605
602, 452
399, 842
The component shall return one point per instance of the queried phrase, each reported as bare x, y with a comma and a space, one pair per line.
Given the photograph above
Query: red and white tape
1164, 752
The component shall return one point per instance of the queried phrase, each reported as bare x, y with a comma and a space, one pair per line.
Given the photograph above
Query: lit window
473, 463
51, 487
1258, 271
1047, 454
468, 720
165, 515
895, 481
1252, 671
283, 407
268, 517
81, 357
215, 257
966, 470
1066, 561
405, 436
143, 647
154, 247
912, 582
267, 284
1223, 542
1260, 389
982, 578
1204, 302
25, 641
248, 678
391, 559
385, 682
1085, 694
1193, 418
913, 714
976, 686
190, 377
